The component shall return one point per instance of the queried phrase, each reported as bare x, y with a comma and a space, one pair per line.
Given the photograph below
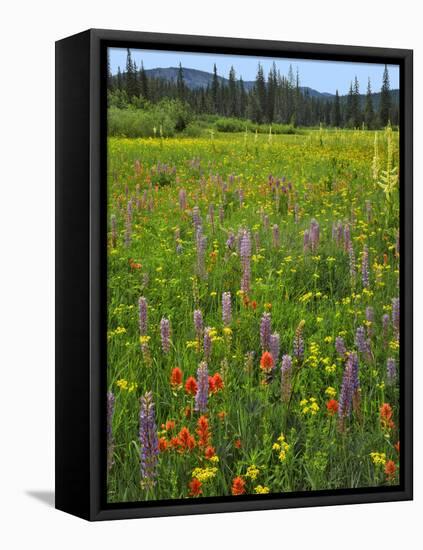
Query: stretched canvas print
253, 275
233, 274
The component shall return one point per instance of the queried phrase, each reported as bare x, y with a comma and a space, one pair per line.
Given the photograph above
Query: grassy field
292, 384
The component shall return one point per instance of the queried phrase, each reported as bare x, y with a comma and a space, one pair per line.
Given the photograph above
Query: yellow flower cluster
261, 490
252, 472
330, 392
282, 447
144, 339
309, 406
204, 474
116, 332
314, 357
379, 459
193, 344
124, 385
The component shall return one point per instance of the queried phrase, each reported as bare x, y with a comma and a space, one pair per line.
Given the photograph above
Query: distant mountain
195, 79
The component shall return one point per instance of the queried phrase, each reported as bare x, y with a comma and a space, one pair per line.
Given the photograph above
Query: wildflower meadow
253, 314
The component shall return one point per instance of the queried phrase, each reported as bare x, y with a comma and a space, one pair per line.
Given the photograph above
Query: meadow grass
264, 439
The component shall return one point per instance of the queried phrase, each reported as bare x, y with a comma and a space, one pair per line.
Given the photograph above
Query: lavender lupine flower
179, 249
365, 267
299, 342
314, 234
221, 214
201, 242
142, 308
266, 221
114, 230
196, 218
347, 237
347, 392
391, 370
110, 439
207, 342
241, 196
265, 331
353, 359
396, 316
306, 241
339, 233
226, 308
274, 347
385, 327
249, 362
340, 346
370, 317
362, 342
276, 236
202, 394
230, 243
286, 371
182, 199
148, 439
198, 323
245, 253
353, 273
165, 334
296, 212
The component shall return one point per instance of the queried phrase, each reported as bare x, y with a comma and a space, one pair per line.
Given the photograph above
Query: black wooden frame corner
81, 229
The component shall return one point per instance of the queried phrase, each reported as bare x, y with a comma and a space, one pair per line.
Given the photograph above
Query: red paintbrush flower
332, 406
266, 361
390, 469
203, 431
210, 452
238, 486
186, 440
386, 416
195, 487
162, 444
176, 378
191, 386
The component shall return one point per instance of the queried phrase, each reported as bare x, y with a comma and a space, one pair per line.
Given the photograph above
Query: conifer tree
180, 83
356, 110
336, 111
215, 90
260, 92
131, 79
143, 82
385, 99
369, 114
232, 93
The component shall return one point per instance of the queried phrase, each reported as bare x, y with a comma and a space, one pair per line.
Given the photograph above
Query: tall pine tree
336, 111
369, 114
385, 99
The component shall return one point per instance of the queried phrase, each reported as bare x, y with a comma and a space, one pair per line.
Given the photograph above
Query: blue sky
324, 76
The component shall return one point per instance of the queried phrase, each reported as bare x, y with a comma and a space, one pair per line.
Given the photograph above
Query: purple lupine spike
296, 213
347, 237
202, 394
274, 347
347, 392
276, 236
299, 343
241, 196
353, 359
362, 342
201, 242
165, 334
114, 230
314, 234
110, 439
391, 370
196, 217
149, 443
198, 323
128, 230
265, 331
179, 249
365, 267
370, 317
353, 273
142, 309
182, 199
340, 346
211, 215
396, 316
266, 221
226, 308
306, 240
286, 371
386, 321
230, 243
221, 214
207, 343
245, 253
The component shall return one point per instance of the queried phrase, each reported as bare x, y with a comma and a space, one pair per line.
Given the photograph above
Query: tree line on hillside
277, 99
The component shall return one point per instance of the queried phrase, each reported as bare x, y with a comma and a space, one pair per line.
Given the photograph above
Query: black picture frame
81, 267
